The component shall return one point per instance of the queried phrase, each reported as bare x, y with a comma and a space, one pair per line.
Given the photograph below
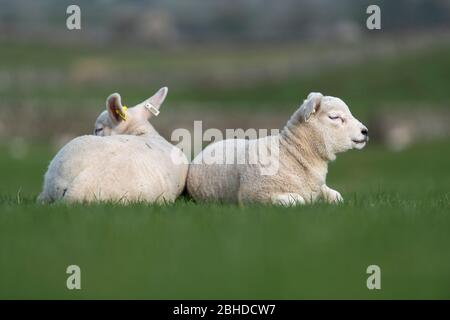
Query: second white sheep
287, 169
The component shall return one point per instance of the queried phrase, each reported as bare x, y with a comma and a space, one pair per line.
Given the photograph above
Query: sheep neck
142, 129
300, 143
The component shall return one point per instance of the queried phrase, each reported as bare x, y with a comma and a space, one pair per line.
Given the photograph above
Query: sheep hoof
332, 196
287, 199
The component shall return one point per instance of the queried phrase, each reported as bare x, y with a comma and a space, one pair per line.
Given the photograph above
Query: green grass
396, 215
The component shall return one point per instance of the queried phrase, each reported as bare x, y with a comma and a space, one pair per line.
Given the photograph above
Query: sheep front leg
330, 195
287, 199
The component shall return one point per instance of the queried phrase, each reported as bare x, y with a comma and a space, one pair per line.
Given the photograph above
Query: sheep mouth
360, 141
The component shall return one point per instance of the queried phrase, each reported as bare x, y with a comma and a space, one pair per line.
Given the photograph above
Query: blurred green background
232, 64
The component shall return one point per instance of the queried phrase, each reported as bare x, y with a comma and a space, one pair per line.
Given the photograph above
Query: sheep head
330, 123
118, 119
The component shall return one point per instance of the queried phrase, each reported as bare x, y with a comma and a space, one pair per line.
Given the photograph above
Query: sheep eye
334, 117
98, 130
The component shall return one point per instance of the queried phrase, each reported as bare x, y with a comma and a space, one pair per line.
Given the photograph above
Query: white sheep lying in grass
316, 132
125, 161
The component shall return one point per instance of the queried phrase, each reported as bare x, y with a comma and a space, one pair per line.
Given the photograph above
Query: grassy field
396, 215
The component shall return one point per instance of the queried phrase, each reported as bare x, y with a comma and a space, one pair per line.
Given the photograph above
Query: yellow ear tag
122, 113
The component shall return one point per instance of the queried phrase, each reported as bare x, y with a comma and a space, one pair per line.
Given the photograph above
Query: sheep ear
153, 103
116, 111
310, 106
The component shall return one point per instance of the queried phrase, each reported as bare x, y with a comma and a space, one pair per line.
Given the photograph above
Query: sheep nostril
365, 131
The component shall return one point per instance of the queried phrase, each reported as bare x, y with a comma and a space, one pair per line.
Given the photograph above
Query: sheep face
332, 119
118, 119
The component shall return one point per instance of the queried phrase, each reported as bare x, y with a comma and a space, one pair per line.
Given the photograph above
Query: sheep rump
122, 168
